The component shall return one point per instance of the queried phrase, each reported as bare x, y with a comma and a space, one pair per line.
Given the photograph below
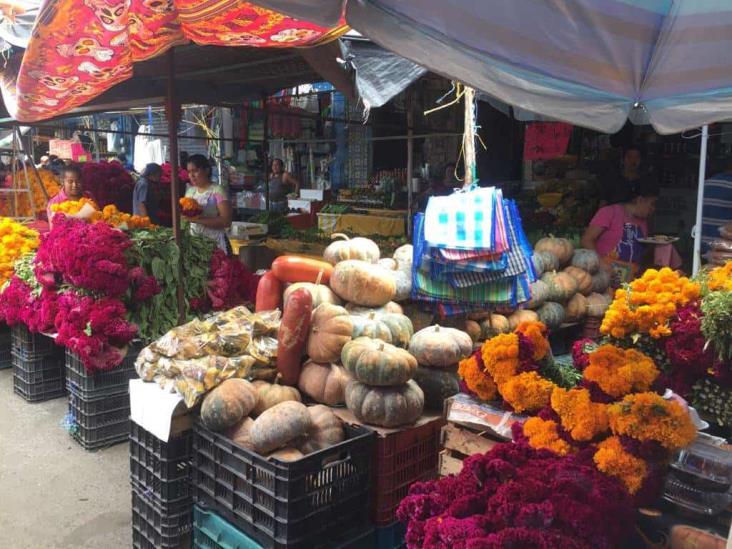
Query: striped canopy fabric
81, 48
594, 63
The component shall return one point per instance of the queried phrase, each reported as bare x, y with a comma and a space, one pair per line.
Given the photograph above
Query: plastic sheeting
16, 22
594, 63
66, 65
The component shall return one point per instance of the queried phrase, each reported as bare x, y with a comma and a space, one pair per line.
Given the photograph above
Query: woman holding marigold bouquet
72, 189
216, 212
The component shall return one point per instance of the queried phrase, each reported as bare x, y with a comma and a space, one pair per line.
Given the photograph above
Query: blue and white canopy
594, 63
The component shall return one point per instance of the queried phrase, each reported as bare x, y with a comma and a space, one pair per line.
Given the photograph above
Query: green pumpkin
378, 363
587, 260
370, 326
385, 406
552, 314
228, 403
437, 384
400, 328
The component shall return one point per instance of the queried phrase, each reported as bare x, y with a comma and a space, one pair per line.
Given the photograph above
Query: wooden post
172, 113
469, 137
410, 157
265, 152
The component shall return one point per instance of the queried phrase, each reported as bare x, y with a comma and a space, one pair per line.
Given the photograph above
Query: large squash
404, 254
544, 262
494, 325
271, 394
561, 286
360, 310
560, 247
473, 329
576, 308
587, 260
240, 432
440, 347
326, 429
403, 282
363, 283
389, 263
385, 406
294, 268
597, 305
551, 314
226, 404
400, 327
269, 293
378, 363
330, 329
281, 424
539, 294
324, 383
319, 292
370, 326
601, 281
360, 248
292, 335
583, 278
287, 454
520, 316
437, 384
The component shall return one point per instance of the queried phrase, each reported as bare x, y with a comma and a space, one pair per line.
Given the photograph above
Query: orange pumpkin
576, 308
361, 248
227, 404
494, 325
560, 247
473, 329
326, 429
583, 278
320, 293
363, 283
330, 330
520, 316
359, 310
597, 305
324, 383
280, 425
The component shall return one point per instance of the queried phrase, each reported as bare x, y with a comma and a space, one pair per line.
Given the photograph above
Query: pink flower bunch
19, 306
230, 283
144, 286
581, 350
88, 256
108, 183
95, 329
515, 496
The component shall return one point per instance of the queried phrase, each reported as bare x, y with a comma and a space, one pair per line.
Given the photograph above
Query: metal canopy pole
265, 152
410, 159
700, 199
469, 137
172, 109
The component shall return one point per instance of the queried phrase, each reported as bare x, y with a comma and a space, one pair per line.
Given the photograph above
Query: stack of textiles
470, 253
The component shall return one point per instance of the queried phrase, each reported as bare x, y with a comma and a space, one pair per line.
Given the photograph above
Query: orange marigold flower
500, 356
582, 418
478, 381
613, 460
543, 434
72, 207
647, 416
620, 371
16, 240
720, 278
526, 392
536, 332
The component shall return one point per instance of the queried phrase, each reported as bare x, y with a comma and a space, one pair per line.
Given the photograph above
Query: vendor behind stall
620, 186
615, 229
144, 196
281, 182
217, 214
72, 188
442, 187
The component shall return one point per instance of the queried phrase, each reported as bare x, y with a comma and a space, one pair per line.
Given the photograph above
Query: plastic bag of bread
722, 245
725, 231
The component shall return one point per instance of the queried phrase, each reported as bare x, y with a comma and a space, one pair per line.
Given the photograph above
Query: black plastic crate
114, 381
99, 412
95, 431
161, 469
6, 358
309, 503
31, 346
156, 526
39, 379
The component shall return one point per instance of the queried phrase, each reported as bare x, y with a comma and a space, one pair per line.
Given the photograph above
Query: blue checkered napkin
463, 220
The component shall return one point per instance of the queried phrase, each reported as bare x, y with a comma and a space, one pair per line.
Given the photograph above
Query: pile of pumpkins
269, 419
572, 284
344, 339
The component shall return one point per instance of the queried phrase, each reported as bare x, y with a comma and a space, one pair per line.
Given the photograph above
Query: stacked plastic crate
6, 358
161, 492
38, 366
99, 403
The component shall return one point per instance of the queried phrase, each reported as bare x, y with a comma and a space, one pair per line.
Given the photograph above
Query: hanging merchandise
147, 149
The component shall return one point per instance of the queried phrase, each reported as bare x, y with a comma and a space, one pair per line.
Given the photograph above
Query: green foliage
717, 322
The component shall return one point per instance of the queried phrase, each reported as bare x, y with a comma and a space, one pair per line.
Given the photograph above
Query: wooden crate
459, 442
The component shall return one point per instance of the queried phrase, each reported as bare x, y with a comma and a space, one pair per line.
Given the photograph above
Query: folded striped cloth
438, 268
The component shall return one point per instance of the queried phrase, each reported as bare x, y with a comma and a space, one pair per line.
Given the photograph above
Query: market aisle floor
55, 494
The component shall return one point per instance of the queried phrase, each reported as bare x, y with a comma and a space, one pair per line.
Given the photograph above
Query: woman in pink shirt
614, 232
72, 188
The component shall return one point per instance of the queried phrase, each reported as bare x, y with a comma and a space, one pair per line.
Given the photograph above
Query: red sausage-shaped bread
293, 334
269, 293
293, 268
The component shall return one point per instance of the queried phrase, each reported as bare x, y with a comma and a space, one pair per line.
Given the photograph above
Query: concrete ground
53, 493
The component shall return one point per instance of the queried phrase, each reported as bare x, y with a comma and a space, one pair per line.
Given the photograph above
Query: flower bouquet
80, 209
189, 207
